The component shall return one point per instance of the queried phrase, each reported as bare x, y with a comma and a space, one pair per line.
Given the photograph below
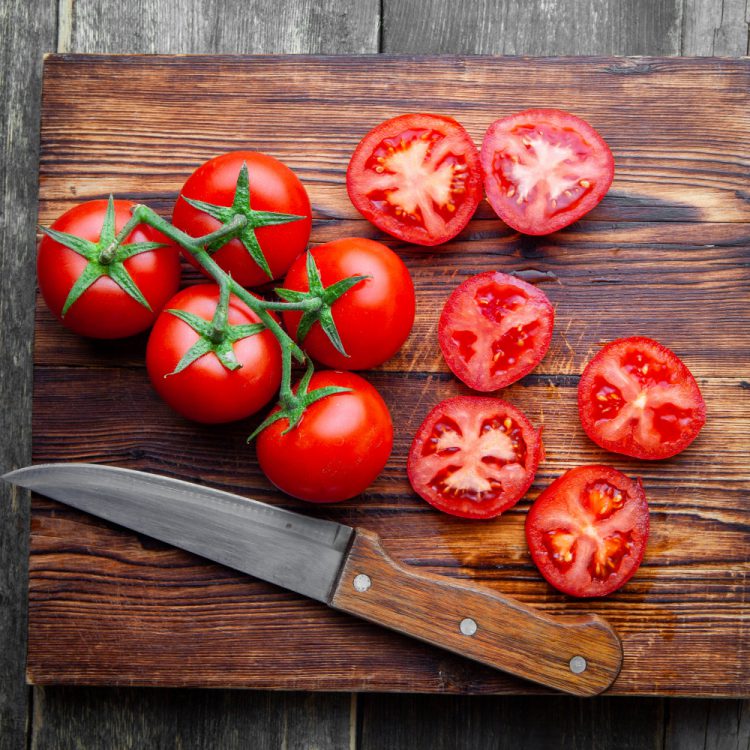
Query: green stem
221, 314
311, 303
108, 254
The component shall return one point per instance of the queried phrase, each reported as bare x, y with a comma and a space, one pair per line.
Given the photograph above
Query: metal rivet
578, 665
468, 626
362, 582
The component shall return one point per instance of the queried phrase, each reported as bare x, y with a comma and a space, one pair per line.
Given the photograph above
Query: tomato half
636, 397
544, 169
494, 329
337, 449
105, 310
474, 456
416, 177
587, 531
206, 391
273, 189
373, 318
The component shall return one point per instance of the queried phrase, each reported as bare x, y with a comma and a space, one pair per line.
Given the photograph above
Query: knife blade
345, 568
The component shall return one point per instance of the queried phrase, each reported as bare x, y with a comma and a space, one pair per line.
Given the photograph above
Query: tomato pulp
587, 531
416, 177
474, 456
544, 169
637, 397
494, 329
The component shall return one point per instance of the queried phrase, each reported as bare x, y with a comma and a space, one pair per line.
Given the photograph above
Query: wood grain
99, 590
506, 634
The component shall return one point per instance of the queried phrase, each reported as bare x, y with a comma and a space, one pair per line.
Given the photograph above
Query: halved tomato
474, 456
495, 329
636, 397
587, 531
416, 177
544, 169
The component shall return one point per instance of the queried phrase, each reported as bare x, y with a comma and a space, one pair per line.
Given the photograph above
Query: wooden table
139, 718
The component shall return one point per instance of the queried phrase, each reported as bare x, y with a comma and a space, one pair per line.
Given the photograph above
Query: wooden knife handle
581, 655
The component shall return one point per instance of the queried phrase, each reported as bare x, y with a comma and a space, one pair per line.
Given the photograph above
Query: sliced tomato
544, 169
636, 397
587, 531
474, 456
495, 329
416, 177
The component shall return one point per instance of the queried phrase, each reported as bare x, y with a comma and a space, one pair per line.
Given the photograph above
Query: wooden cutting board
666, 254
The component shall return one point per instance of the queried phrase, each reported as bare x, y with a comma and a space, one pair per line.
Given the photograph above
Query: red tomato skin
575, 479
273, 187
466, 371
630, 446
337, 449
499, 200
488, 406
104, 310
206, 391
373, 319
415, 234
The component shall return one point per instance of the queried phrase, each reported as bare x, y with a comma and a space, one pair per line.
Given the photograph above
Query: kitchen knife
345, 568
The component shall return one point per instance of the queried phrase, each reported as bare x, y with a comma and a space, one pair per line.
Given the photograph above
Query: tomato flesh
416, 177
587, 531
544, 169
494, 329
474, 457
636, 397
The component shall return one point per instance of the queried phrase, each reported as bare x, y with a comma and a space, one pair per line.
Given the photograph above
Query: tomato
205, 390
416, 177
494, 329
474, 456
636, 397
105, 310
278, 211
337, 449
373, 318
587, 531
544, 169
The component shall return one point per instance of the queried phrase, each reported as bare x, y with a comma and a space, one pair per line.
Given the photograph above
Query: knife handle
581, 655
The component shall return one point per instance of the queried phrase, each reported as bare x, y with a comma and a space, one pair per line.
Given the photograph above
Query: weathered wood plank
716, 27
533, 27
221, 26
707, 725
509, 723
133, 719
26, 28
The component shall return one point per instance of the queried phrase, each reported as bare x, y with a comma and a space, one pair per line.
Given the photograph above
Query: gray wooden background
142, 719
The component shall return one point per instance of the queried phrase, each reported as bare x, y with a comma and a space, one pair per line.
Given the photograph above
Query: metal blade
291, 550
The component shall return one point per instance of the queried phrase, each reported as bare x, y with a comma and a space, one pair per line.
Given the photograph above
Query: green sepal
326, 296
255, 219
215, 336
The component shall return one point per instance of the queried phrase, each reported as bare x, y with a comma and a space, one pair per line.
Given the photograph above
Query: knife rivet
578, 665
468, 626
362, 582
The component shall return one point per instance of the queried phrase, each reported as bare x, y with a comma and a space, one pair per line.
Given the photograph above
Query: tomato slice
474, 456
636, 397
587, 531
416, 177
495, 329
544, 169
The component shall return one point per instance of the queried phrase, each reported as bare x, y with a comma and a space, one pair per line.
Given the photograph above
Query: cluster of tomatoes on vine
218, 352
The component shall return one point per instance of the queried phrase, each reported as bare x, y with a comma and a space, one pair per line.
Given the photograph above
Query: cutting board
665, 254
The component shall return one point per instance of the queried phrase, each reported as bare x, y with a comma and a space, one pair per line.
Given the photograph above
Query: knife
345, 568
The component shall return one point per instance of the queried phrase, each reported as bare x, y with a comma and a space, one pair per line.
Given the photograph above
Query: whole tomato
338, 447
278, 212
206, 390
373, 318
70, 254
